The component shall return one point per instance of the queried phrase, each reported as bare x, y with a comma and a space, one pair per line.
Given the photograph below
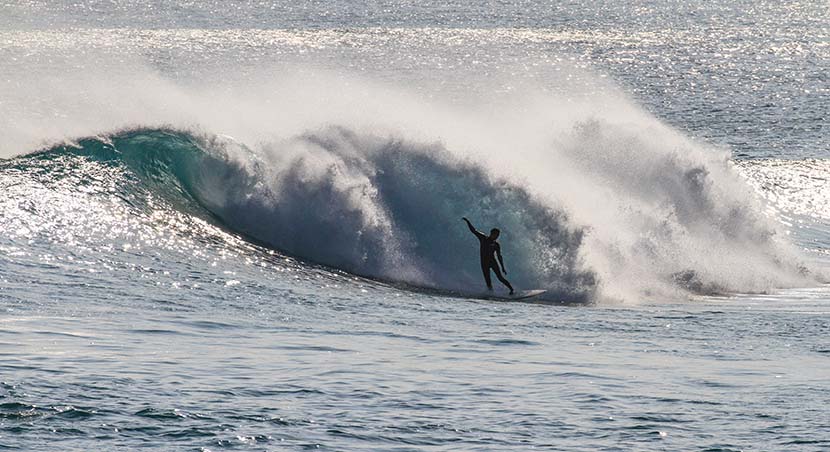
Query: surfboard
520, 295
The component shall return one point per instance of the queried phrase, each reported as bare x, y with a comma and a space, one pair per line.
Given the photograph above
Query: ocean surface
237, 225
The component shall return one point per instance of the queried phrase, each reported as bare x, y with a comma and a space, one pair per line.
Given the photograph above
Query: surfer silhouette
490, 249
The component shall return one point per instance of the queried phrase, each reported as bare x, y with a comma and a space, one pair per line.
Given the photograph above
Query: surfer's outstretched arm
473, 230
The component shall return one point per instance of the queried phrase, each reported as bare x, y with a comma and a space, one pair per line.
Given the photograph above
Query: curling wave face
646, 222
372, 206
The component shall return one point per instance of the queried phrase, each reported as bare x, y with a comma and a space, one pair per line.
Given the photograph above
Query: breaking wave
372, 206
626, 220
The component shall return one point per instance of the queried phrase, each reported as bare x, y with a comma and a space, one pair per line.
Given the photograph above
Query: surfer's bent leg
485, 268
500, 277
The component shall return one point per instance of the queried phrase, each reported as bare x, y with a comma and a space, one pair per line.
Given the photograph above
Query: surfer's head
494, 233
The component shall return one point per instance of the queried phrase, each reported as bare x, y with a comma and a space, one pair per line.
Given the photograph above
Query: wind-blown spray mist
669, 214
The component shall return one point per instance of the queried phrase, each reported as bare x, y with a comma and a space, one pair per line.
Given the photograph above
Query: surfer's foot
511, 291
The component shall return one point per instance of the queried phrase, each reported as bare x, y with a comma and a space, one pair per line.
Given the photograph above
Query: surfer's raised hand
472, 228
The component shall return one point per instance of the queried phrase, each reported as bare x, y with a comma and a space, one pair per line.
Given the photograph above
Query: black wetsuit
489, 250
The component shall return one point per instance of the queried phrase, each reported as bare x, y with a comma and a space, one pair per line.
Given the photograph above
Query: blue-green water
236, 226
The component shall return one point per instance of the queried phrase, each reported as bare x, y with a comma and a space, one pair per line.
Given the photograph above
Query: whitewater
239, 226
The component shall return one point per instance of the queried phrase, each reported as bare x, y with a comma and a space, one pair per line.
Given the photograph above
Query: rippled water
388, 370
136, 314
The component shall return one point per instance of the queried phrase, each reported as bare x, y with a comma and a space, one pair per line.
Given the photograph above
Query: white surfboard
520, 295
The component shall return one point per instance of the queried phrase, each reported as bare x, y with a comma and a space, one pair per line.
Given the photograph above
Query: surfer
490, 249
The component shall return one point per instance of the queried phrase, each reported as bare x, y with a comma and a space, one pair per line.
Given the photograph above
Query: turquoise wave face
161, 160
376, 207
